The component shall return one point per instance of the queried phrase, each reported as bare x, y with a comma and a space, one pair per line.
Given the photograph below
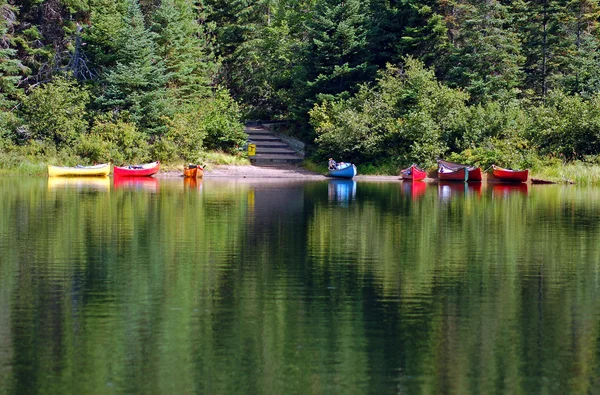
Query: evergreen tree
425, 35
258, 43
543, 38
136, 83
580, 64
335, 60
185, 49
9, 64
486, 57
102, 34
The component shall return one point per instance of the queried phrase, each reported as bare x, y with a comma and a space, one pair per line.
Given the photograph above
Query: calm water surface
284, 287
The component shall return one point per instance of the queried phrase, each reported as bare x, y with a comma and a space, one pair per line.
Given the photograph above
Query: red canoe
510, 175
145, 170
474, 172
447, 174
413, 173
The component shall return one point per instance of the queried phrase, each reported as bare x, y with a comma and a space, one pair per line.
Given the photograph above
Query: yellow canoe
98, 170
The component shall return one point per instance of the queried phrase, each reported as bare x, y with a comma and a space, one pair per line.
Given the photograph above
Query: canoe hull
145, 170
413, 173
83, 171
460, 175
193, 172
348, 171
475, 173
508, 175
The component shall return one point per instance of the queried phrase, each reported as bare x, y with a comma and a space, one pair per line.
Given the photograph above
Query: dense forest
378, 82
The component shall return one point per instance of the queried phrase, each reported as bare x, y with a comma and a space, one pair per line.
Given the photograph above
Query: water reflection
148, 184
449, 190
268, 287
193, 183
414, 189
504, 190
79, 183
341, 191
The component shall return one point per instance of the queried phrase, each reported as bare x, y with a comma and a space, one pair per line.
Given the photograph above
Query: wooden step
274, 150
264, 138
261, 159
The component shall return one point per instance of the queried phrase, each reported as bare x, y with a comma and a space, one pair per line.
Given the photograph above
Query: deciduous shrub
118, 141
56, 112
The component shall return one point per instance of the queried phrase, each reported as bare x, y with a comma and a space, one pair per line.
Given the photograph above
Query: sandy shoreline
267, 172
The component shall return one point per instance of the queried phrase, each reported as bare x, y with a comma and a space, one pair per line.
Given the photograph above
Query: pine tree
137, 83
486, 58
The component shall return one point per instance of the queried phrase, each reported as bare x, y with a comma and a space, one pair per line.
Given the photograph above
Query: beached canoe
344, 170
193, 171
460, 174
413, 173
509, 175
145, 170
61, 171
475, 173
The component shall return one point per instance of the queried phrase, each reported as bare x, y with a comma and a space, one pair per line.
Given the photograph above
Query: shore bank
267, 172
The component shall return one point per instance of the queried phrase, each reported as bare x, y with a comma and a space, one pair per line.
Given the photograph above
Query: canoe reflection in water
448, 190
80, 183
342, 191
149, 184
414, 189
503, 190
192, 183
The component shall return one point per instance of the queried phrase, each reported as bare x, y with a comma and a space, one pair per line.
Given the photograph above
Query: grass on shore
16, 163
577, 173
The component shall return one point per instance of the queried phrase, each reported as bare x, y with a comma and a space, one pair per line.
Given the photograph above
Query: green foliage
137, 83
185, 48
566, 126
425, 35
116, 141
9, 63
221, 121
102, 35
486, 59
407, 116
335, 57
510, 153
186, 133
56, 112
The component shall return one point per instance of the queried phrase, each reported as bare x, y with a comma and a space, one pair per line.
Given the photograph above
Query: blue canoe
347, 170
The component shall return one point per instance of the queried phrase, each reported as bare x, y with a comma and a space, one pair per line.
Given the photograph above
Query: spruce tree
136, 84
543, 39
425, 33
486, 58
102, 34
185, 49
10, 66
580, 62
335, 60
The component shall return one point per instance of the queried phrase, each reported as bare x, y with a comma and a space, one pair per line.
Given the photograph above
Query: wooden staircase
271, 150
